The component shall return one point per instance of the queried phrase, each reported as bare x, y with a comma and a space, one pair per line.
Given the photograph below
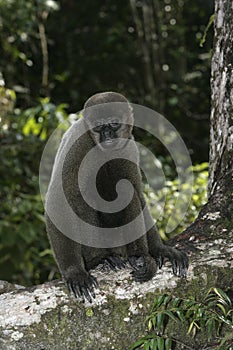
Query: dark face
107, 132
110, 125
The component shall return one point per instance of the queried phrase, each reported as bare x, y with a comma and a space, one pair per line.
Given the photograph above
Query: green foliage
210, 314
96, 47
20, 44
24, 249
211, 21
44, 118
7, 100
90, 48
164, 200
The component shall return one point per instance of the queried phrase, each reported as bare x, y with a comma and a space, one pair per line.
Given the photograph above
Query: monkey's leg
159, 251
70, 261
144, 266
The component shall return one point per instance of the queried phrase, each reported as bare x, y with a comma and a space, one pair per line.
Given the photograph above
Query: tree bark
221, 120
215, 218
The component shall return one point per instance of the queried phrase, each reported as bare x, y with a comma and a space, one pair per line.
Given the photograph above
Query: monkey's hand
81, 284
178, 259
144, 267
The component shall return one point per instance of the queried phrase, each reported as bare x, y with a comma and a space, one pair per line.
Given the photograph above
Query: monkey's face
110, 133
111, 129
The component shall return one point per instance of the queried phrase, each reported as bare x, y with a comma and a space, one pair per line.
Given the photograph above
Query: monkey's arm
70, 261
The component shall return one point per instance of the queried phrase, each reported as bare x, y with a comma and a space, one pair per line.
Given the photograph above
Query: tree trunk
221, 127
216, 216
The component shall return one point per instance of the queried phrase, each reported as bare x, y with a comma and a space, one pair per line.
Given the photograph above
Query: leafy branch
211, 313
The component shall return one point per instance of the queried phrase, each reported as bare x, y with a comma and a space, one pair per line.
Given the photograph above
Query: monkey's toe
144, 268
179, 261
180, 265
160, 261
114, 262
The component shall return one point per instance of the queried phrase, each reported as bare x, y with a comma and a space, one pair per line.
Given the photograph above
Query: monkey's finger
91, 291
183, 269
118, 262
174, 267
86, 293
115, 262
140, 277
160, 261
70, 287
78, 292
139, 274
133, 263
90, 287
121, 263
110, 264
183, 264
94, 282
186, 261
182, 272
74, 290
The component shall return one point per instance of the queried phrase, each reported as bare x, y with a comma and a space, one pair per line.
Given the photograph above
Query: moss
116, 323
89, 312
206, 277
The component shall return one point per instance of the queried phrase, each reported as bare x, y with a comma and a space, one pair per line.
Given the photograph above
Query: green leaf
137, 344
211, 21
190, 327
160, 343
168, 344
176, 302
210, 328
170, 315
180, 315
160, 321
153, 344
159, 300
167, 300
222, 295
141, 341
146, 345
222, 308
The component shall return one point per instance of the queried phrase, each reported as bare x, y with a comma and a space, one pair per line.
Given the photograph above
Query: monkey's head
109, 118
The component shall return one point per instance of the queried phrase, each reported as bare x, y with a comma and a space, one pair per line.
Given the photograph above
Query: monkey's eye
98, 126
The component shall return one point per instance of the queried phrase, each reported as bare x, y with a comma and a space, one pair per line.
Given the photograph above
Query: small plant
210, 314
24, 254
164, 200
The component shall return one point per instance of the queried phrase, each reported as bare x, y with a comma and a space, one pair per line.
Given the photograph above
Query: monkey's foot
178, 259
144, 267
114, 262
81, 284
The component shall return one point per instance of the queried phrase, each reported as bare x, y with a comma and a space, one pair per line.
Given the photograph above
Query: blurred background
56, 54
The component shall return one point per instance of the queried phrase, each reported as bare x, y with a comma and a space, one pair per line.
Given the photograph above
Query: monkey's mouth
109, 143
113, 143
